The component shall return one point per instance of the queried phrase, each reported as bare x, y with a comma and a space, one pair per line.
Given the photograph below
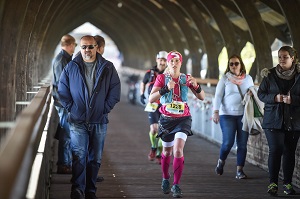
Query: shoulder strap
240, 92
183, 78
152, 76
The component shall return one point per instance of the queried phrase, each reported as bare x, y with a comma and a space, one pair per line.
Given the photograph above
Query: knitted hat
174, 54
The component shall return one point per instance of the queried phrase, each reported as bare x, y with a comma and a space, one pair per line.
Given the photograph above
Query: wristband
198, 89
164, 90
195, 87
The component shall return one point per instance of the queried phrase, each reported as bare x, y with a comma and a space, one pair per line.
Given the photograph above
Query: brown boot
64, 169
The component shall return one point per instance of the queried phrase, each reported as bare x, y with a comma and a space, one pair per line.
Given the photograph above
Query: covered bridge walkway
128, 173
200, 29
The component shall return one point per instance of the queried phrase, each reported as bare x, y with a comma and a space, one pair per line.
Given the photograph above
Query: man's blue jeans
64, 144
232, 128
87, 147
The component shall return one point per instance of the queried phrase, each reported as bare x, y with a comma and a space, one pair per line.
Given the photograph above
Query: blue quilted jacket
74, 95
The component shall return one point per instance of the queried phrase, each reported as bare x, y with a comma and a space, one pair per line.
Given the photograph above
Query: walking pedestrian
280, 91
64, 162
89, 88
100, 49
229, 110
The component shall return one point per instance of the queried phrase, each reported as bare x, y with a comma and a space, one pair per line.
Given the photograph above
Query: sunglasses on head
83, 47
234, 63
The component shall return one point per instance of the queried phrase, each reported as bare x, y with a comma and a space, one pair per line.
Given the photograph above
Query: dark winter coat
58, 63
279, 115
74, 95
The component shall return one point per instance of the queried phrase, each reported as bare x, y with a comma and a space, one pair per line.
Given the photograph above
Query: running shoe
272, 189
219, 167
288, 189
165, 186
176, 191
240, 175
151, 155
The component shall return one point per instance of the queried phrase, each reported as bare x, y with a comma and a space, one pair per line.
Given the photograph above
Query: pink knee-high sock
165, 164
178, 164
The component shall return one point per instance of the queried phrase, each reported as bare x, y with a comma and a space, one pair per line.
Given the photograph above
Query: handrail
207, 81
18, 150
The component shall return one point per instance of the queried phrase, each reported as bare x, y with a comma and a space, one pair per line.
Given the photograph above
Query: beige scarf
286, 74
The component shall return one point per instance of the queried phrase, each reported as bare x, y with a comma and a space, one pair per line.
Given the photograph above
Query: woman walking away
280, 91
228, 110
171, 88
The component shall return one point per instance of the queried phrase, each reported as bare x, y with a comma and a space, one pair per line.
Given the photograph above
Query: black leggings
281, 143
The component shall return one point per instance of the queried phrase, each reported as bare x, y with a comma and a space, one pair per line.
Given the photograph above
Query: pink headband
174, 54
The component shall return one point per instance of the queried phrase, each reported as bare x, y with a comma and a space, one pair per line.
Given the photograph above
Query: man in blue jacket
89, 88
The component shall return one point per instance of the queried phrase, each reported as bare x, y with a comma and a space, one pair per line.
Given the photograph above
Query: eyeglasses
234, 63
83, 47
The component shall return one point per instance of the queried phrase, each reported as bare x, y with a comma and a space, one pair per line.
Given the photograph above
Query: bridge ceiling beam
198, 45
273, 5
258, 34
157, 33
225, 28
289, 9
204, 30
64, 19
129, 23
275, 31
164, 36
224, 25
189, 34
31, 30
174, 33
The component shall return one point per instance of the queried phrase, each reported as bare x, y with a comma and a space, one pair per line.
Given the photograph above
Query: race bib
175, 107
151, 107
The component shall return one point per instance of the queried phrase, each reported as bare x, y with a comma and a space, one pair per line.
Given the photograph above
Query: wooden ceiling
31, 29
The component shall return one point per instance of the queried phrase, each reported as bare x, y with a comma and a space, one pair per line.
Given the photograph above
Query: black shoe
272, 189
240, 175
219, 167
77, 194
90, 195
99, 179
288, 189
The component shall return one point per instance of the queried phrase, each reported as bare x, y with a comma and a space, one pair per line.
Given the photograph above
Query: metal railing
24, 154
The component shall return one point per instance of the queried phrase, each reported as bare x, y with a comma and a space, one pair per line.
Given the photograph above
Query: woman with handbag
229, 110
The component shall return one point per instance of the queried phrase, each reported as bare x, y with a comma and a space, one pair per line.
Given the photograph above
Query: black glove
164, 90
143, 99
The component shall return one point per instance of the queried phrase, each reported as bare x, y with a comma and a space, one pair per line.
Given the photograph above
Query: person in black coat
280, 91
64, 162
